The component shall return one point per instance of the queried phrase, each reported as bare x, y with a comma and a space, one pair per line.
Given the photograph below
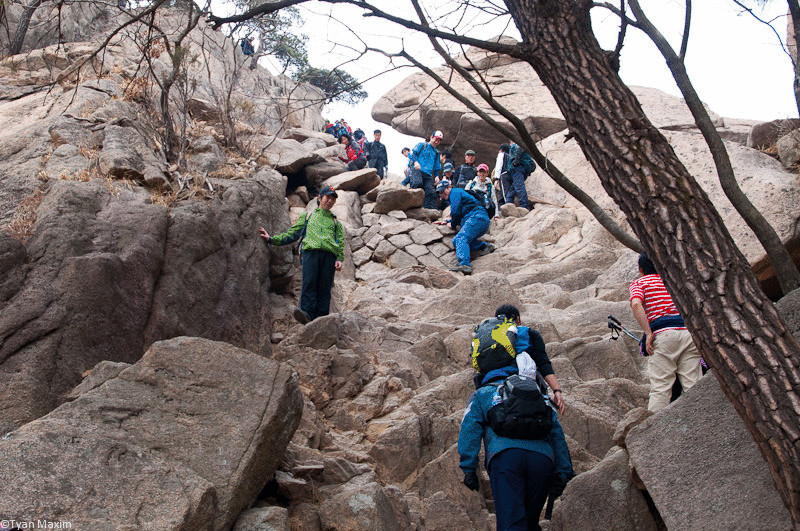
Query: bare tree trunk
169, 140
735, 326
22, 28
794, 13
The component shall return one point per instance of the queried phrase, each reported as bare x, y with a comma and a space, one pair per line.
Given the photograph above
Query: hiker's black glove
557, 488
471, 480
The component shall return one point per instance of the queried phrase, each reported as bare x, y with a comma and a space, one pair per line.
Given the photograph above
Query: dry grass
21, 225
225, 172
167, 199
136, 89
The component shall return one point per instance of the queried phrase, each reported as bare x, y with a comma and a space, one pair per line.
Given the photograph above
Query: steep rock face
772, 189
105, 117
605, 494
682, 452
139, 449
418, 106
104, 276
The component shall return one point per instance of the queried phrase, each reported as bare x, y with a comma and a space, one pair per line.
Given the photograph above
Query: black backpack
483, 200
522, 411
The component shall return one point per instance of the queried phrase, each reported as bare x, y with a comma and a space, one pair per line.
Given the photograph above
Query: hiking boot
487, 249
301, 316
467, 270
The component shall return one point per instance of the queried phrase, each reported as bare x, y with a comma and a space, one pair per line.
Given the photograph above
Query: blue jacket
427, 156
475, 426
462, 205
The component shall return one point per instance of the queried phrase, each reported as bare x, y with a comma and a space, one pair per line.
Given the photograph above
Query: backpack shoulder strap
303, 232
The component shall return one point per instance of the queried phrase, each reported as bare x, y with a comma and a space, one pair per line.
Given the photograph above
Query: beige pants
674, 353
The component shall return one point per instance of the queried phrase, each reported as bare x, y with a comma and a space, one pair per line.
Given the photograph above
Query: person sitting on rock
447, 173
353, 156
445, 156
322, 241
669, 345
522, 471
468, 214
484, 185
467, 171
425, 165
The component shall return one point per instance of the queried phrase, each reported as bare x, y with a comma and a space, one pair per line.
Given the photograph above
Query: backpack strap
303, 233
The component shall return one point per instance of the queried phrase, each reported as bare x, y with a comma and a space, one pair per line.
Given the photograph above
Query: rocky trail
152, 375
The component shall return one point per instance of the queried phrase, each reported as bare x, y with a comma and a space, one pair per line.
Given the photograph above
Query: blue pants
514, 185
431, 200
380, 169
520, 482
318, 270
473, 227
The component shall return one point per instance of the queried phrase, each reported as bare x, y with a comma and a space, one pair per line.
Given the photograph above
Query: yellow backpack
493, 344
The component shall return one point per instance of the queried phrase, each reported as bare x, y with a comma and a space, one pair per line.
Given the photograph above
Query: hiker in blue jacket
518, 166
468, 213
522, 472
425, 165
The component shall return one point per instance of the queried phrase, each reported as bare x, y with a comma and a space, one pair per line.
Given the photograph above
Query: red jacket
350, 154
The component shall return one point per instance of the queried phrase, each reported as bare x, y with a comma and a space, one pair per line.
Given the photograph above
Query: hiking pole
548, 512
617, 327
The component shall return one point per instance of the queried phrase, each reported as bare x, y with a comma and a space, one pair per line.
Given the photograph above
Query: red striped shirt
655, 298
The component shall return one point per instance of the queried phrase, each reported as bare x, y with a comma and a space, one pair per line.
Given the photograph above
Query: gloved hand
471, 480
558, 485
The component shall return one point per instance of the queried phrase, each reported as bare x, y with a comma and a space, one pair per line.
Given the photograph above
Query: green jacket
322, 233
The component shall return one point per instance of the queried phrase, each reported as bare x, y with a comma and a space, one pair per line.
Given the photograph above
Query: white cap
437, 134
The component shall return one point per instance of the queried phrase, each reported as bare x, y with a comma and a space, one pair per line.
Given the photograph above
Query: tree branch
522, 135
785, 271
687, 21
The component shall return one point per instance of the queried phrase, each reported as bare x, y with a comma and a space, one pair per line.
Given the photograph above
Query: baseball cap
469, 152
483, 167
444, 183
327, 190
447, 167
437, 134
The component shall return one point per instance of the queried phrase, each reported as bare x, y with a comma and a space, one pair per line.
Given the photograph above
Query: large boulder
682, 454
142, 449
766, 134
319, 172
125, 155
418, 106
361, 181
286, 155
359, 505
104, 276
300, 134
769, 186
605, 494
398, 199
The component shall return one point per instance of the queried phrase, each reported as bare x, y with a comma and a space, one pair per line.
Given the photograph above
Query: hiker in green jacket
321, 253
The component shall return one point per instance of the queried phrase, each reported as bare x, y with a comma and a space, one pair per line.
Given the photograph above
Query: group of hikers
511, 413
428, 166
467, 191
359, 153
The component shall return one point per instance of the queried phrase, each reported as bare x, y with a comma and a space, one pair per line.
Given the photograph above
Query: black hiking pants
318, 271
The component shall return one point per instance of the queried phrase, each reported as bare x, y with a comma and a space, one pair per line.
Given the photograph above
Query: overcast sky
737, 64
